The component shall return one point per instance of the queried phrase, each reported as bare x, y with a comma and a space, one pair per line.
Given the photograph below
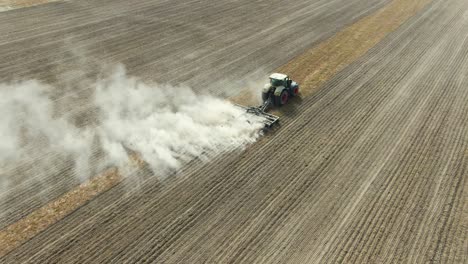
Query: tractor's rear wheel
265, 96
283, 98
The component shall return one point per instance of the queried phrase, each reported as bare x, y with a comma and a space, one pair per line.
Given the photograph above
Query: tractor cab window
276, 82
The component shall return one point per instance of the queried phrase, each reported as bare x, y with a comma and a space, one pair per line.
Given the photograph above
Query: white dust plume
166, 126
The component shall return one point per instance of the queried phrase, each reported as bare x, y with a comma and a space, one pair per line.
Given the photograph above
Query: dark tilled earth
370, 169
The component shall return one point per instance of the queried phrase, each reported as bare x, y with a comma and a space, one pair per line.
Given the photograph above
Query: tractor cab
279, 79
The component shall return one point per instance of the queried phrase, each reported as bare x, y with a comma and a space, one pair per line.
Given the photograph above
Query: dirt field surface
64, 42
370, 169
6, 5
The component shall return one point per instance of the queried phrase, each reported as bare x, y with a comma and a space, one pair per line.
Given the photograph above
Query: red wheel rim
296, 91
284, 98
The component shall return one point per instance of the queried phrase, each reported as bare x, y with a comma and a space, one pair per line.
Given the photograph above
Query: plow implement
268, 119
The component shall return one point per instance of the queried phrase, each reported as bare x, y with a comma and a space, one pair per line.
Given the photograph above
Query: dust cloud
165, 125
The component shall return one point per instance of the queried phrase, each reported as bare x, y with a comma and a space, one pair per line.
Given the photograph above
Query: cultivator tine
269, 119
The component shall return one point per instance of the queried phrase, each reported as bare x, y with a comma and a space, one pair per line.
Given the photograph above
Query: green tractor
280, 89
276, 93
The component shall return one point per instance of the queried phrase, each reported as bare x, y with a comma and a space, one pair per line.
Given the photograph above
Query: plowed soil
161, 42
371, 168
14, 4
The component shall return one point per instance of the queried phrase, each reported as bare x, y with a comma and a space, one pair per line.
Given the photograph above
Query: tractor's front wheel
283, 98
295, 91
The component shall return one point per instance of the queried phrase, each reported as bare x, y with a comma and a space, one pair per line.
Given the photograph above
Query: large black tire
265, 96
282, 99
